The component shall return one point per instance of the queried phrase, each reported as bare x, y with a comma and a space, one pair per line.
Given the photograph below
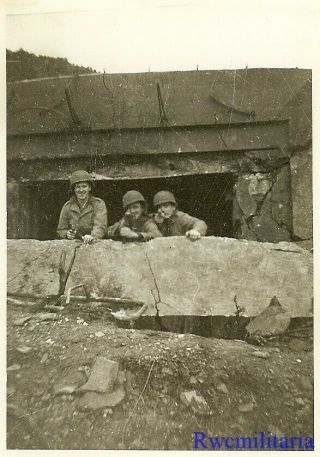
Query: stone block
103, 376
95, 400
192, 278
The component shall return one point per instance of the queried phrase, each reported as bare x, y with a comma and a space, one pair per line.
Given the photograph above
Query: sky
142, 35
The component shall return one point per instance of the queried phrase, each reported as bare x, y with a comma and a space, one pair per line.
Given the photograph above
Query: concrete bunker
232, 159
250, 127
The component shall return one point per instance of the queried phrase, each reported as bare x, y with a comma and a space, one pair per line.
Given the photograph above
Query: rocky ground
166, 387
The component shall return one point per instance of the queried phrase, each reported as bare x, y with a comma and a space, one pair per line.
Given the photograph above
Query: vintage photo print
159, 170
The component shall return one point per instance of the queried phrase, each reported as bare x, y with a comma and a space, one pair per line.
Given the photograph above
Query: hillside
24, 65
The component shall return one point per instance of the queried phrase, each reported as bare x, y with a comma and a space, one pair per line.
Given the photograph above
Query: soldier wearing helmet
135, 224
172, 222
83, 216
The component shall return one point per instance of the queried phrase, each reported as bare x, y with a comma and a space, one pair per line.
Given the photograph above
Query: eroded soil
243, 393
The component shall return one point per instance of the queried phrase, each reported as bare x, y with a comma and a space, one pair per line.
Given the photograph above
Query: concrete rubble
105, 387
261, 354
246, 407
221, 387
220, 382
273, 320
44, 358
24, 349
196, 402
14, 367
102, 386
94, 400
103, 376
42, 317
22, 321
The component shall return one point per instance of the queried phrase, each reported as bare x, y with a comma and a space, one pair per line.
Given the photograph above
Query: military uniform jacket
90, 220
179, 223
144, 226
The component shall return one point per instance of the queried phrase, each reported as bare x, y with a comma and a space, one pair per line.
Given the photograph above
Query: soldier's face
82, 189
166, 210
135, 210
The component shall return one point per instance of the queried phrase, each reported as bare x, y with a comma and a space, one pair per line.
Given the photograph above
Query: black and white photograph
159, 200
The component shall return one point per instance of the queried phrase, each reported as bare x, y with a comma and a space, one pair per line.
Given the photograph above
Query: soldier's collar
174, 215
74, 201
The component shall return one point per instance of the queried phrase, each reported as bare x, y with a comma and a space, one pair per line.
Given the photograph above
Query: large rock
103, 376
271, 322
95, 400
186, 278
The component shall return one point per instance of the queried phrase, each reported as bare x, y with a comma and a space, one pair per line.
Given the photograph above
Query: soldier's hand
87, 239
193, 235
158, 218
126, 232
71, 234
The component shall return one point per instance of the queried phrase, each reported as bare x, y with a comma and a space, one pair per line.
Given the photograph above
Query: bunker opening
224, 327
227, 327
206, 196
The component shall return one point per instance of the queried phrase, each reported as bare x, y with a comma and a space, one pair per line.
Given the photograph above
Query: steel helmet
80, 176
164, 196
133, 196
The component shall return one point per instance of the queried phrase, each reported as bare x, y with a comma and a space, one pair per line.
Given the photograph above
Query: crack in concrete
263, 199
157, 299
239, 309
250, 219
286, 250
282, 224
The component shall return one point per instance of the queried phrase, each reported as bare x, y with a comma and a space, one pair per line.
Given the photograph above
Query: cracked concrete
262, 209
158, 298
191, 278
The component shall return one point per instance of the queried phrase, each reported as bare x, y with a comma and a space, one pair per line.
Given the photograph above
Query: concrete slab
114, 269
186, 278
204, 277
33, 265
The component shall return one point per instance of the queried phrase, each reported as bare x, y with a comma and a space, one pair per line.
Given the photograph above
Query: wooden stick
74, 288
63, 273
54, 308
131, 317
120, 301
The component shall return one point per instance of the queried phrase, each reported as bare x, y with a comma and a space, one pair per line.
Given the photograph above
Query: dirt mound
175, 384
